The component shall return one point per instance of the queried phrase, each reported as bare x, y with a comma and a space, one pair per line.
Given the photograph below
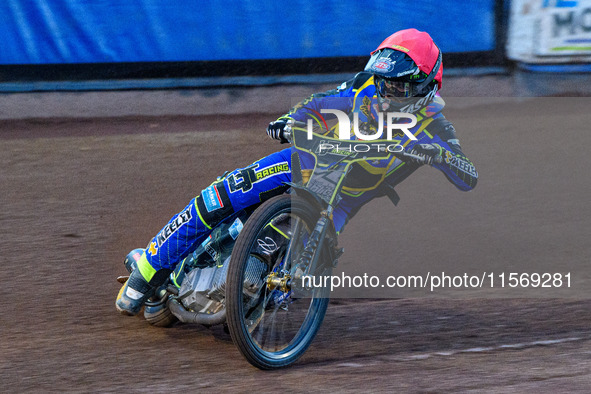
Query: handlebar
287, 130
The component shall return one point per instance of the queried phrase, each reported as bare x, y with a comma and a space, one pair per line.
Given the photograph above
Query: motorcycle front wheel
273, 319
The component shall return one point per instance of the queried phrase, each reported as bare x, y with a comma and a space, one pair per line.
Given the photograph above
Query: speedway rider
403, 74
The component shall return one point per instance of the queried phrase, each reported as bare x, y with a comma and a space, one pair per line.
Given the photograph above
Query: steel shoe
133, 294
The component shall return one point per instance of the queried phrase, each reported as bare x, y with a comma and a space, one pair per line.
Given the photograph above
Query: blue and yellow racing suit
265, 178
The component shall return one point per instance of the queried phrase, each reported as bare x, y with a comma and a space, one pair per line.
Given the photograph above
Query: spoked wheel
272, 318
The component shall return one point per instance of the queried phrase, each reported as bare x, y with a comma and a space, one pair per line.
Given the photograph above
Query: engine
204, 289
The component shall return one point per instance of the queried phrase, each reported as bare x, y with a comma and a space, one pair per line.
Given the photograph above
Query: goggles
388, 88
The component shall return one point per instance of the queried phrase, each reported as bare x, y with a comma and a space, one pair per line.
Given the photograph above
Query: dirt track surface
78, 195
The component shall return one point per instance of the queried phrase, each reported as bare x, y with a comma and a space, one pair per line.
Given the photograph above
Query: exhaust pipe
186, 316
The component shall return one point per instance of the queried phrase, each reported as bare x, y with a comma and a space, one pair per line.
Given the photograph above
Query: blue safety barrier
37, 32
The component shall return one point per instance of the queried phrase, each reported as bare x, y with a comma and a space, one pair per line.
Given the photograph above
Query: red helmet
406, 65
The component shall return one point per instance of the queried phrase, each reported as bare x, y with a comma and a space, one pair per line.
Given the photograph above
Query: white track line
546, 342
424, 356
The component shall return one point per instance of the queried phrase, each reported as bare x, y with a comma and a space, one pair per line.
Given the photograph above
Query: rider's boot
140, 286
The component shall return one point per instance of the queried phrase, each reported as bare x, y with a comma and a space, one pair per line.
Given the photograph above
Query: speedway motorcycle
253, 274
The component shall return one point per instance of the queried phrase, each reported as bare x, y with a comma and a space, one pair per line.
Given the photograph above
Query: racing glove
276, 128
428, 152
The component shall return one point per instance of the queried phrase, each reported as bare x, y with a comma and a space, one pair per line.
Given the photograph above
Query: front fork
309, 259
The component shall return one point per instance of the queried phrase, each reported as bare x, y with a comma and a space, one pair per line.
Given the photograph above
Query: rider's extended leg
185, 231
140, 286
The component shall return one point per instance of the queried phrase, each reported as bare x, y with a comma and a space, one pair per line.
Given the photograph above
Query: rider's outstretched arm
456, 166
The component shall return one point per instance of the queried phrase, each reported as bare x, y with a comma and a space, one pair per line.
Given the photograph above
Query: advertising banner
550, 31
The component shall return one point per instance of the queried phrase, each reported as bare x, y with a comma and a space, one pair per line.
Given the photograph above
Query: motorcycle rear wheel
273, 327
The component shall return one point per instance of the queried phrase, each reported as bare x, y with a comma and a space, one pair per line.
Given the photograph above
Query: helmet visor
395, 89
